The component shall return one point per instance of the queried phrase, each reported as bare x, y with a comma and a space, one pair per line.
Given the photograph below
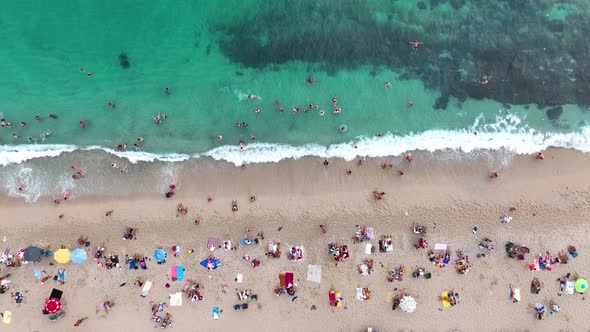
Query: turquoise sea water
213, 54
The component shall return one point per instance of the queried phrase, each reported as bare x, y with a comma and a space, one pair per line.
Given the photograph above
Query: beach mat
314, 273
176, 299
445, 303
289, 277
173, 273
180, 272
244, 243
216, 313
146, 288
7, 317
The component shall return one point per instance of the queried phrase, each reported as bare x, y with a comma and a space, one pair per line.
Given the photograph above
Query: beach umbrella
78, 256
62, 256
159, 255
407, 304
581, 285
32, 254
52, 305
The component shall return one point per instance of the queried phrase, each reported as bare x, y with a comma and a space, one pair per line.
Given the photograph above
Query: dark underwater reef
528, 57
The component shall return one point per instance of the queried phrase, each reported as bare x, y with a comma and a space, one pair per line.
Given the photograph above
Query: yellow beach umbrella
62, 256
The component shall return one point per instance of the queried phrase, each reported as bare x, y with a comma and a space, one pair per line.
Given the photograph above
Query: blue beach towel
216, 313
37, 274
180, 272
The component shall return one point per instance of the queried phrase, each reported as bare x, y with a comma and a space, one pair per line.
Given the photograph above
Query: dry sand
551, 197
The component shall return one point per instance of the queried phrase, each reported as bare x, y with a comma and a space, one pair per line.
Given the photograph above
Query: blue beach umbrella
159, 255
78, 256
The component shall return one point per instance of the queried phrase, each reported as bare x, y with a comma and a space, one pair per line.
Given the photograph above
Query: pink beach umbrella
52, 305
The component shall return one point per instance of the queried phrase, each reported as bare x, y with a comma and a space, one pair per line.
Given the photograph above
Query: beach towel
368, 248
37, 274
390, 297
245, 242
7, 317
569, 287
146, 288
173, 273
440, 246
227, 245
516, 297
216, 313
314, 273
176, 299
297, 253
445, 302
180, 272
359, 294
239, 278
574, 254
211, 263
370, 233
282, 280
213, 244
289, 279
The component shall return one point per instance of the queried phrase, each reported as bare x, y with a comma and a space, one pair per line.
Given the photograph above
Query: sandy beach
550, 200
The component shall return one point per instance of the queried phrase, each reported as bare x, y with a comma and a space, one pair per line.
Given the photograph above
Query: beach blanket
445, 302
360, 294
213, 244
176, 299
297, 253
211, 263
440, 246
245, 242
146, 288
173, 273
216, 313
370, 233
180, 272
289, 277
7, 317
569, 287
314, 273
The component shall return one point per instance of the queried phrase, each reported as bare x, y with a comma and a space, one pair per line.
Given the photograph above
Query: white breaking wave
506, 133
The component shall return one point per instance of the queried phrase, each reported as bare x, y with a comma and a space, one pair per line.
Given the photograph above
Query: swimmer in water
257, 110
241, 145
410, 104
111, 104
219, 138
38, 117
140, 139
53, 116
90, 74
253, 137
334, 101
388, 84
121, 147
244, 124
168, 90
113, 165
83, 124
311, 80
253, 96
23, 124
337, 110
281, 109
15, 136
322, 112
415, 44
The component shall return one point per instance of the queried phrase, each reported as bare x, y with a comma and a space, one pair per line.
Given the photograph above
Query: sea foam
506, 133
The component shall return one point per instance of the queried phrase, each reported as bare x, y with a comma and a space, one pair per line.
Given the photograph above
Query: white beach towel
239, 278
314, 273
569, 287
368, 248
359, 294
440, 246
146, 288
176, 299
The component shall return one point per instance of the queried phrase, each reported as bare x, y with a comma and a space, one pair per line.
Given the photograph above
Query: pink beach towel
173, 273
